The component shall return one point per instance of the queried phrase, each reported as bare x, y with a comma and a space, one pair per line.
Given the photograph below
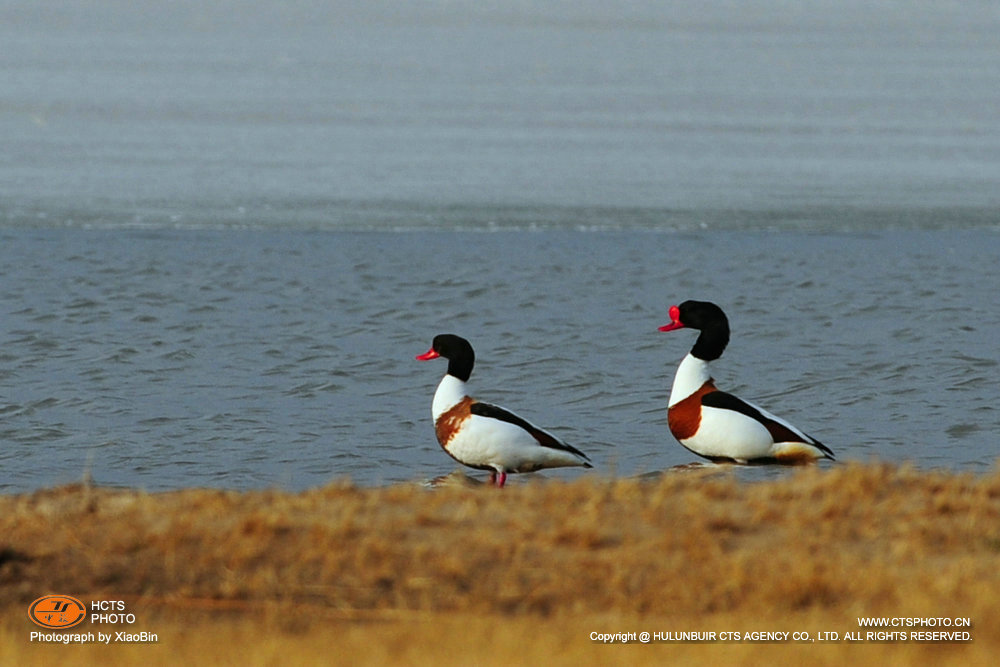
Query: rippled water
226, 228
245, 358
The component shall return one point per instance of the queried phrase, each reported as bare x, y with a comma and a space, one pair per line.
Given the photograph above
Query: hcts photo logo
57, 612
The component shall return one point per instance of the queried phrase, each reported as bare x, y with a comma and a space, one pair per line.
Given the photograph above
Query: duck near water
485, 436
719, 426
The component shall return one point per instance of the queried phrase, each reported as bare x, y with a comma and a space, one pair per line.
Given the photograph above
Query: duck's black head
707, 318
456, 350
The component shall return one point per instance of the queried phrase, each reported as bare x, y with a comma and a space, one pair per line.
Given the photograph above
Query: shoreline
698, 552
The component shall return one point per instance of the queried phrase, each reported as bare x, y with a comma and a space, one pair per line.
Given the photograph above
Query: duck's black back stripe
543, 438
778, 431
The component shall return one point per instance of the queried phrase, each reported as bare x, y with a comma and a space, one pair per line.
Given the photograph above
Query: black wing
778, 431
543, 438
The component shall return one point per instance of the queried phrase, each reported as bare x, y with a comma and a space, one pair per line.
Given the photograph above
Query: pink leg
501, 479
493, 477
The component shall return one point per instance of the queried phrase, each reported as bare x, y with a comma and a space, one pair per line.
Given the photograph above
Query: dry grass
459, 575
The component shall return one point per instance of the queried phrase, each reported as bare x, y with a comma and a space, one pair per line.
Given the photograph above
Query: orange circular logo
57, 612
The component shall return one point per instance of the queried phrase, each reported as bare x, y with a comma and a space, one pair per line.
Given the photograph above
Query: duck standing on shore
485, 436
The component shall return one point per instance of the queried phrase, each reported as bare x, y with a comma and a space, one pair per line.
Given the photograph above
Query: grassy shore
476, 575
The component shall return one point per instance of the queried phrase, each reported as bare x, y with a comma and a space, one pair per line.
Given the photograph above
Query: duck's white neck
691, 375
449, 392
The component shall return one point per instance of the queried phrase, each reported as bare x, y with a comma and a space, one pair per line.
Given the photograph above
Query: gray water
226, 229
175, 358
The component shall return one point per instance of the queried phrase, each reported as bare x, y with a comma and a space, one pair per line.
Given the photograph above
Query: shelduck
485, 436
717, 425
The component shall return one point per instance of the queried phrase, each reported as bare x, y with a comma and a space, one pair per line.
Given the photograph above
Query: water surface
177, 358
227, 227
